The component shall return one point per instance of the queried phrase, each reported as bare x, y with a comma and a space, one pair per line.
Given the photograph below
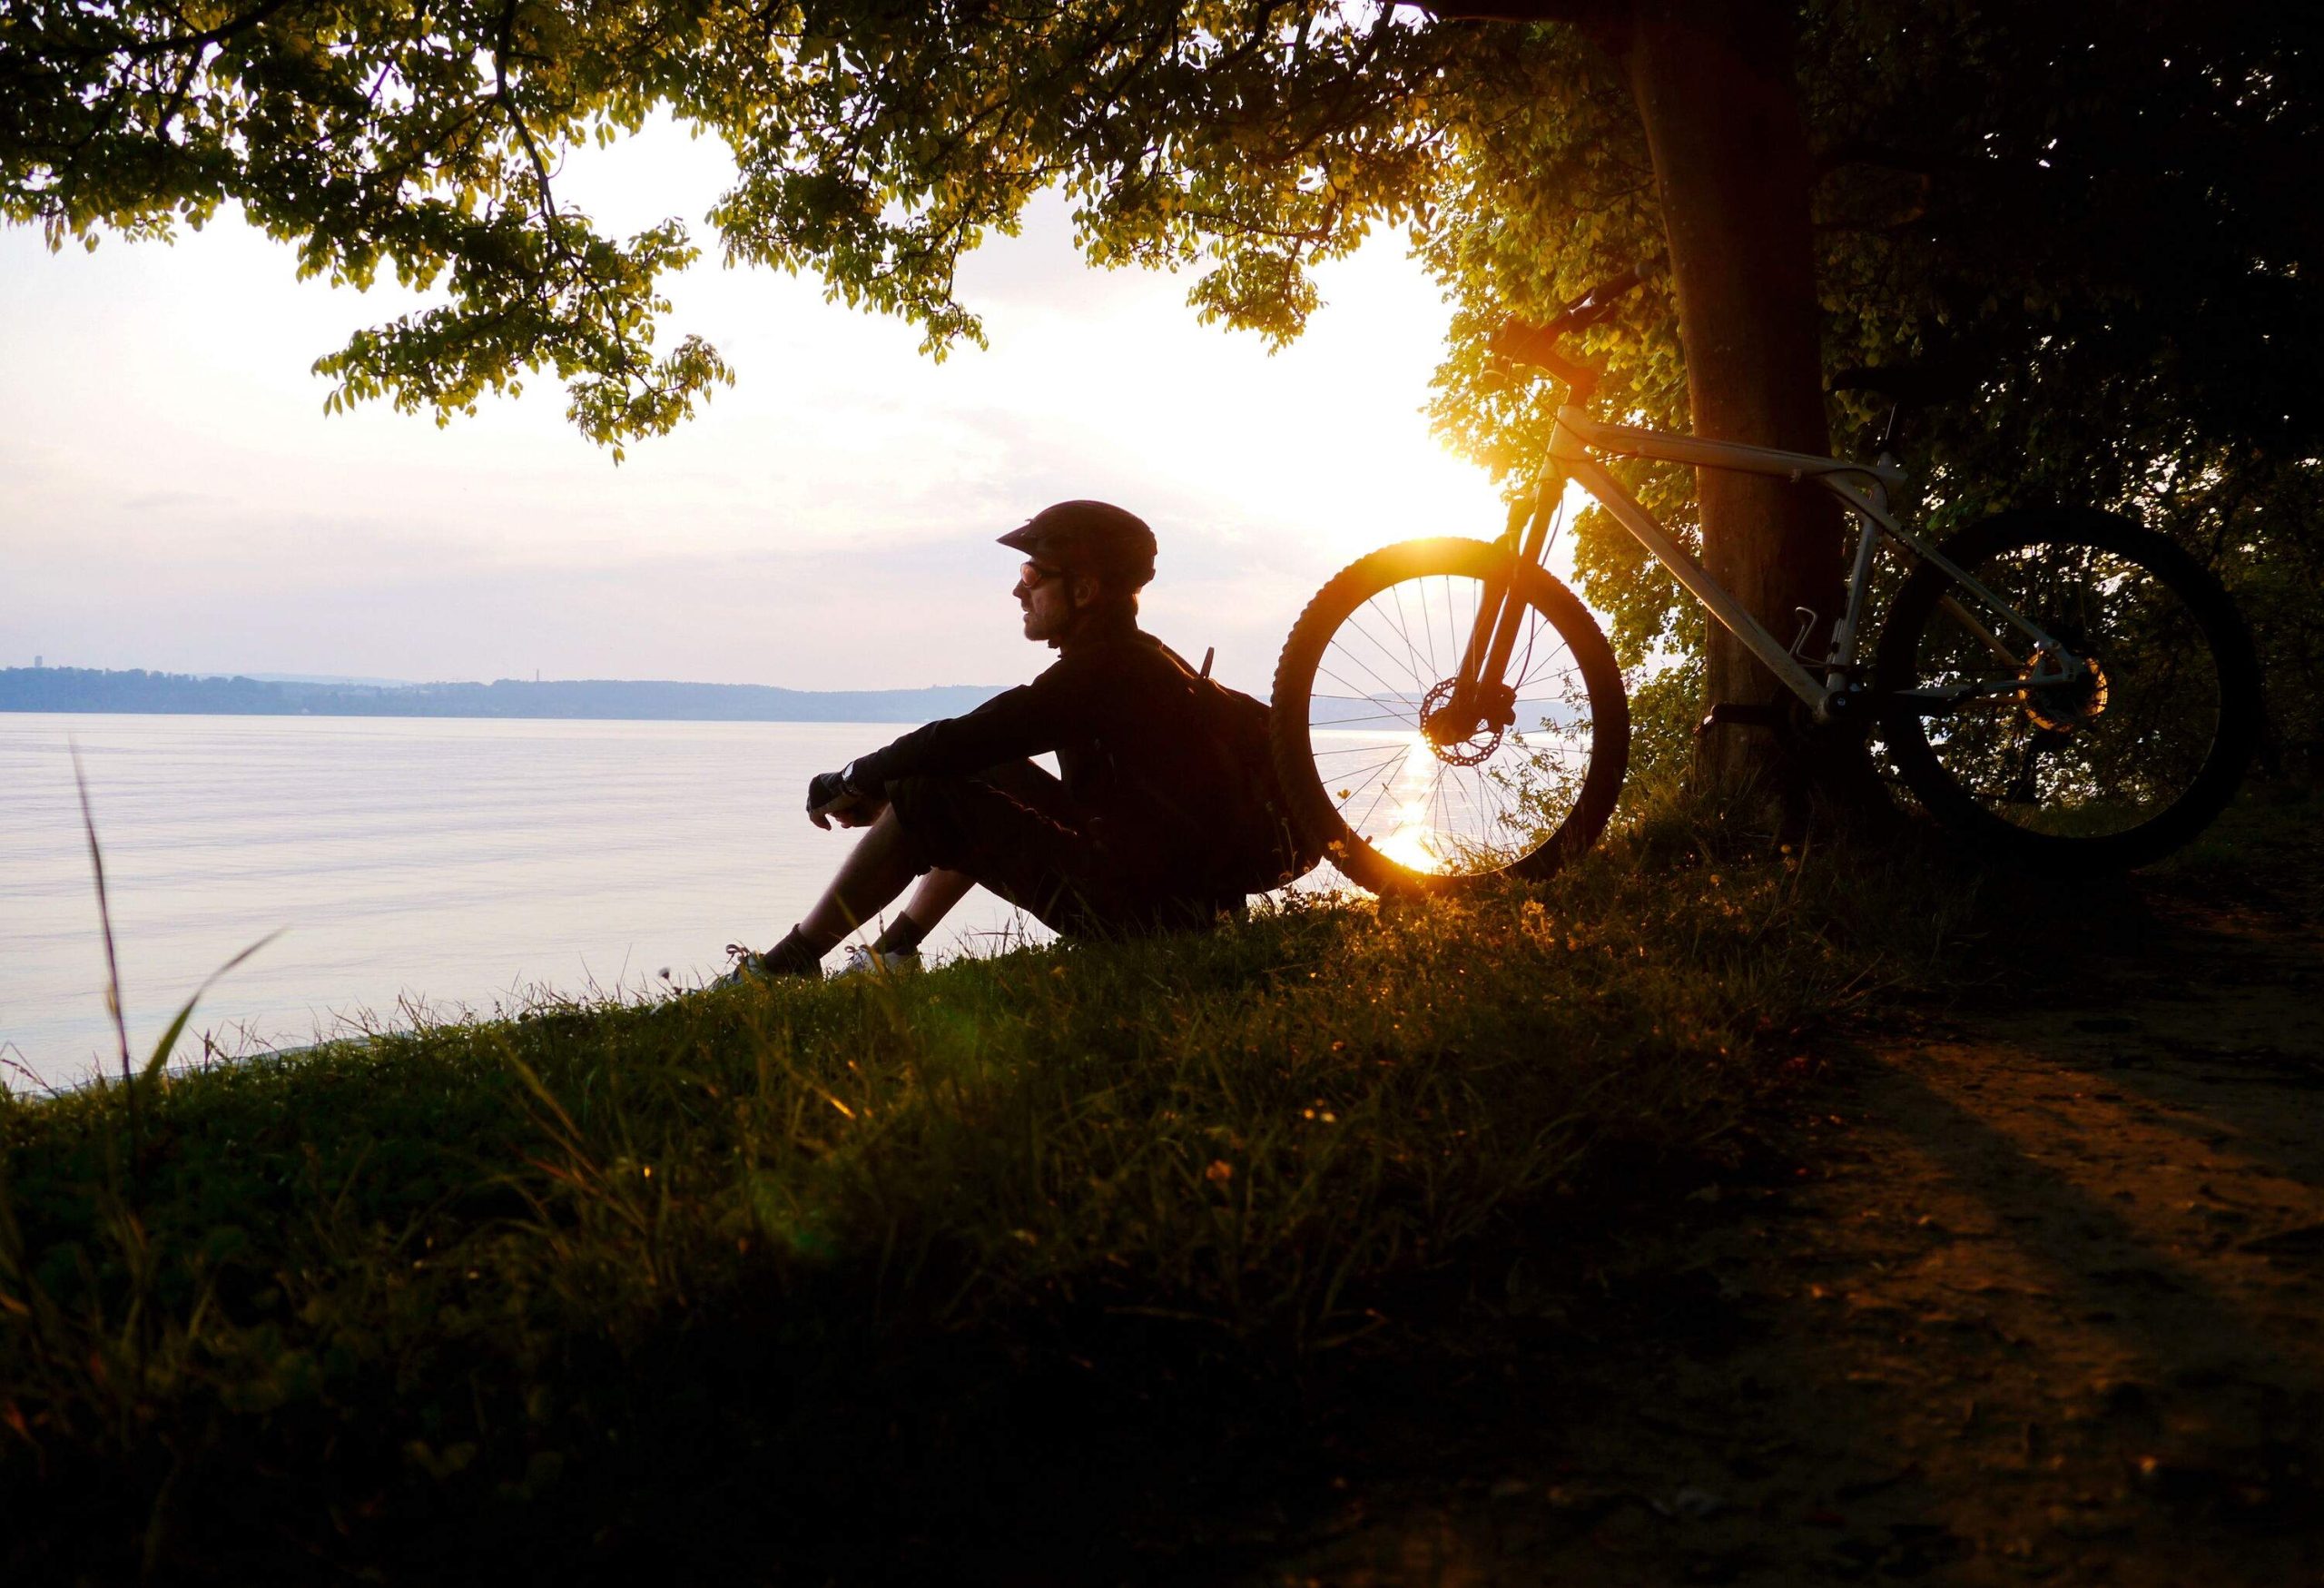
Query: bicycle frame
1861, 488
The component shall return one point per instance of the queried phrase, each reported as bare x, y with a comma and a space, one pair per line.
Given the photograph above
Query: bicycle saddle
1537, 344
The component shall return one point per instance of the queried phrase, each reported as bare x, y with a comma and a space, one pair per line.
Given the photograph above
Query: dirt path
2048, 1306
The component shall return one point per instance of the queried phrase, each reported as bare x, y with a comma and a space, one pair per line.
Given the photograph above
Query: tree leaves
2103, 209
875, 145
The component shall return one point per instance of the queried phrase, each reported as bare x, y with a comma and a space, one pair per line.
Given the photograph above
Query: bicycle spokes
2091, 736
1442, 774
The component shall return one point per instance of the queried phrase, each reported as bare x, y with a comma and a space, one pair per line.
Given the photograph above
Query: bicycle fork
1479, 698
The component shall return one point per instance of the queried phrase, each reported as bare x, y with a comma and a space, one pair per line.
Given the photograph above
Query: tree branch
1587, 13
198, 41
516, 118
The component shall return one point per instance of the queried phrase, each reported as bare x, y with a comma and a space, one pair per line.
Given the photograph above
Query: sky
173, 497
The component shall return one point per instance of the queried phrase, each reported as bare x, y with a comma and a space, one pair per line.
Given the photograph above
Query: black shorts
1016, 830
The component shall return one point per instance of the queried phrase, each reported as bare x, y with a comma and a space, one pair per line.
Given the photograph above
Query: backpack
1256, 846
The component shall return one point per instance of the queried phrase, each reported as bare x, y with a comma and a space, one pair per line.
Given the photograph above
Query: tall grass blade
104, 921
185, 1012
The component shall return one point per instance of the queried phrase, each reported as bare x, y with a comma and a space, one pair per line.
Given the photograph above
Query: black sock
902, 935
794, 954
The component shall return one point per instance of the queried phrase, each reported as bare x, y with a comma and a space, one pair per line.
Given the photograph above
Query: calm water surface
458, 864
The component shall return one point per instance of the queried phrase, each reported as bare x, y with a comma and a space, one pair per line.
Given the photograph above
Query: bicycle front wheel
2109, 757
1407, 788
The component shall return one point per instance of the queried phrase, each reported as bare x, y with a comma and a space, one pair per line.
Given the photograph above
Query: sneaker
750, 966
861, 961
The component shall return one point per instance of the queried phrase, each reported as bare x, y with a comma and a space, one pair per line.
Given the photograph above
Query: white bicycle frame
1861, 488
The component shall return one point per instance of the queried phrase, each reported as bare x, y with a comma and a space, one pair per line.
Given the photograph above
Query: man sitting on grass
1125, 842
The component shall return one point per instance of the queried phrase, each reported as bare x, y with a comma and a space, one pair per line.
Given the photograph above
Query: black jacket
1120, 710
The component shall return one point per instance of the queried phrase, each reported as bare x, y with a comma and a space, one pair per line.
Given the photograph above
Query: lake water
452, 864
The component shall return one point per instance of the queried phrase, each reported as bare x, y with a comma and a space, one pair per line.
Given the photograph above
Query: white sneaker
861, 961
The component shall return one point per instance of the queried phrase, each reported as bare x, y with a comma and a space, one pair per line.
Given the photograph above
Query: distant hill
89, 689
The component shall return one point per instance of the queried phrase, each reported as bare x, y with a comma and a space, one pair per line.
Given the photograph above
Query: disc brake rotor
1465, 737
2057, 703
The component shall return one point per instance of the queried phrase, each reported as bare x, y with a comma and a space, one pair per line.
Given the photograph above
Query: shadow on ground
2037, 1298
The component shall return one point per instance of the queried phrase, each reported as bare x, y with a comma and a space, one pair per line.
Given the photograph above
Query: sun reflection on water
1410, 843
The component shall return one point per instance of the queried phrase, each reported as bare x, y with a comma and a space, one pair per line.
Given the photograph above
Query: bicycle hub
1464, 727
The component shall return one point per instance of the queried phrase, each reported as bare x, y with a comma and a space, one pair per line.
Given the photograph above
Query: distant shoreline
108, 692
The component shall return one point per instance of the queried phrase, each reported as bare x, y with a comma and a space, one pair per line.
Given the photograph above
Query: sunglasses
1033, 575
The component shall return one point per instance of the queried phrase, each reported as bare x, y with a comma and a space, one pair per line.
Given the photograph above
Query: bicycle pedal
1743, 714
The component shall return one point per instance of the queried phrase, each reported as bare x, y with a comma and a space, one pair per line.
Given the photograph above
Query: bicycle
2063, 686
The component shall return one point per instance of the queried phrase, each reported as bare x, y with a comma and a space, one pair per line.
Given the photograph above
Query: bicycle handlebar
1595, 304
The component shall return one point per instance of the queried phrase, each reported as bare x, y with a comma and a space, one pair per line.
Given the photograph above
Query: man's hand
832, 797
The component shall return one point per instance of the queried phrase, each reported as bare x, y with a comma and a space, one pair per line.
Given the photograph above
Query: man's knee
934, 813
915, 798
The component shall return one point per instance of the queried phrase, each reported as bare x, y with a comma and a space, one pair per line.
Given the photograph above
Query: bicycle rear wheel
2108, 765
1401, 797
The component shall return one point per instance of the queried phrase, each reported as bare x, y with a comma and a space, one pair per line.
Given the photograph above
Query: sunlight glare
1411, 842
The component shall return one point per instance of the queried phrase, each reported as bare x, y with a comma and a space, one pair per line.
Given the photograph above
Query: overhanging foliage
2101, 214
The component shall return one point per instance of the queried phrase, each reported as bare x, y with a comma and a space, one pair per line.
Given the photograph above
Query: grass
802, 1267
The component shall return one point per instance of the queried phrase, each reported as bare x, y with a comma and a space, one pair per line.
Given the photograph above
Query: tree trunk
1713, 82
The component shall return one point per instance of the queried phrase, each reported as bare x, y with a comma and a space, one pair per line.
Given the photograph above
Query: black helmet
1089, 538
